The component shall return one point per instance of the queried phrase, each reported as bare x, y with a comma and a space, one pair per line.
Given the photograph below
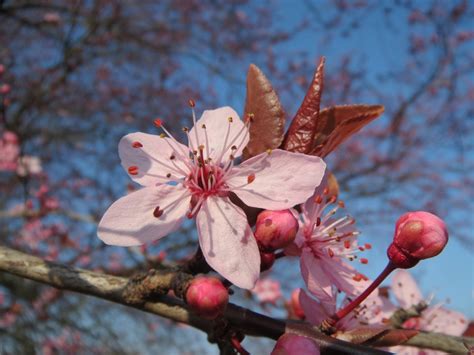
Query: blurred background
75, 76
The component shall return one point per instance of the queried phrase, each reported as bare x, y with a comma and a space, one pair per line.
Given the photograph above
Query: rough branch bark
251, 323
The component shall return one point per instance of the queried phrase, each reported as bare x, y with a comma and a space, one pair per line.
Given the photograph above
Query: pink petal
311, 209
341, 275
442, 320
314, 311
280, 180
227, 241
221, 134
315, 277
151, 154
405, 289
131, 219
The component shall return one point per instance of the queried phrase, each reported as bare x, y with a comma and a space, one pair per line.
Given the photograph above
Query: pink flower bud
418, 235
292, 344
207, 296
4, 89
275, 229
2, 69
295, 304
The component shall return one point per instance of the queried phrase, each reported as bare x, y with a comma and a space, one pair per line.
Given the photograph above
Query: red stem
350, 307
237, 346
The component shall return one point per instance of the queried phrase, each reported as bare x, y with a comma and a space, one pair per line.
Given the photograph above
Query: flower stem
336, 317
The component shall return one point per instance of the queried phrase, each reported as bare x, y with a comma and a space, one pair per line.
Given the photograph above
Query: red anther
318, 221
157, 212
330, 252
249, 118
341, 204
158, 122
347, 244
357, 277
326, 190
133, 170
364, 260
332, 199
250, 178
137, 145
361, 248
318, 199
368, 246
365, 278
191, 103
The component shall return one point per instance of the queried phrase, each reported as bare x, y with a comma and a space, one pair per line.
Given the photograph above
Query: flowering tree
106, 68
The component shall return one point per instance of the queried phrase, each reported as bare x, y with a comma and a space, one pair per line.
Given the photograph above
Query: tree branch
114, 288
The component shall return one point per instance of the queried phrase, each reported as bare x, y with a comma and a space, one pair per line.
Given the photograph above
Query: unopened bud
418, 235
295, 304
207, 296
292, 344
2, 69
275, 229
5, 89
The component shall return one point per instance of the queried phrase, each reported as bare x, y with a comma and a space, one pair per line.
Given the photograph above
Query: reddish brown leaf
268, 125
338, 123
304, 125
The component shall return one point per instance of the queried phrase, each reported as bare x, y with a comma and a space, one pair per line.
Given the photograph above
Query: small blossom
207, 296
325, 244
432, 319
292, 344
275, 229
373, 311
267, 291
9, 151
29, 165
418, 235
196, 181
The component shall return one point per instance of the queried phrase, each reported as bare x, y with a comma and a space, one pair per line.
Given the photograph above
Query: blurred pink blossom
267, 291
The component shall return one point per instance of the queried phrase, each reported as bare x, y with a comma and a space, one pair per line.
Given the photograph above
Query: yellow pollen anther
269, 151
230, 119
162, 135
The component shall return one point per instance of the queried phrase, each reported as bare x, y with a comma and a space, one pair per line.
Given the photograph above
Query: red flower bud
295, 304
207, 296
292, 344
418, 235
275, 229
5, 89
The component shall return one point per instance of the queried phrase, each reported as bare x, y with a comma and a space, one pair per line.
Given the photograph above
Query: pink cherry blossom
433, 319
267, 290
374, 311
197, 180
29, 165
325, 244
9, 151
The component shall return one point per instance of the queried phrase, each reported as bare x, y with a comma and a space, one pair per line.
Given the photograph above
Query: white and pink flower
325, 245
267, 291
433, 319
197, 180
374, 311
